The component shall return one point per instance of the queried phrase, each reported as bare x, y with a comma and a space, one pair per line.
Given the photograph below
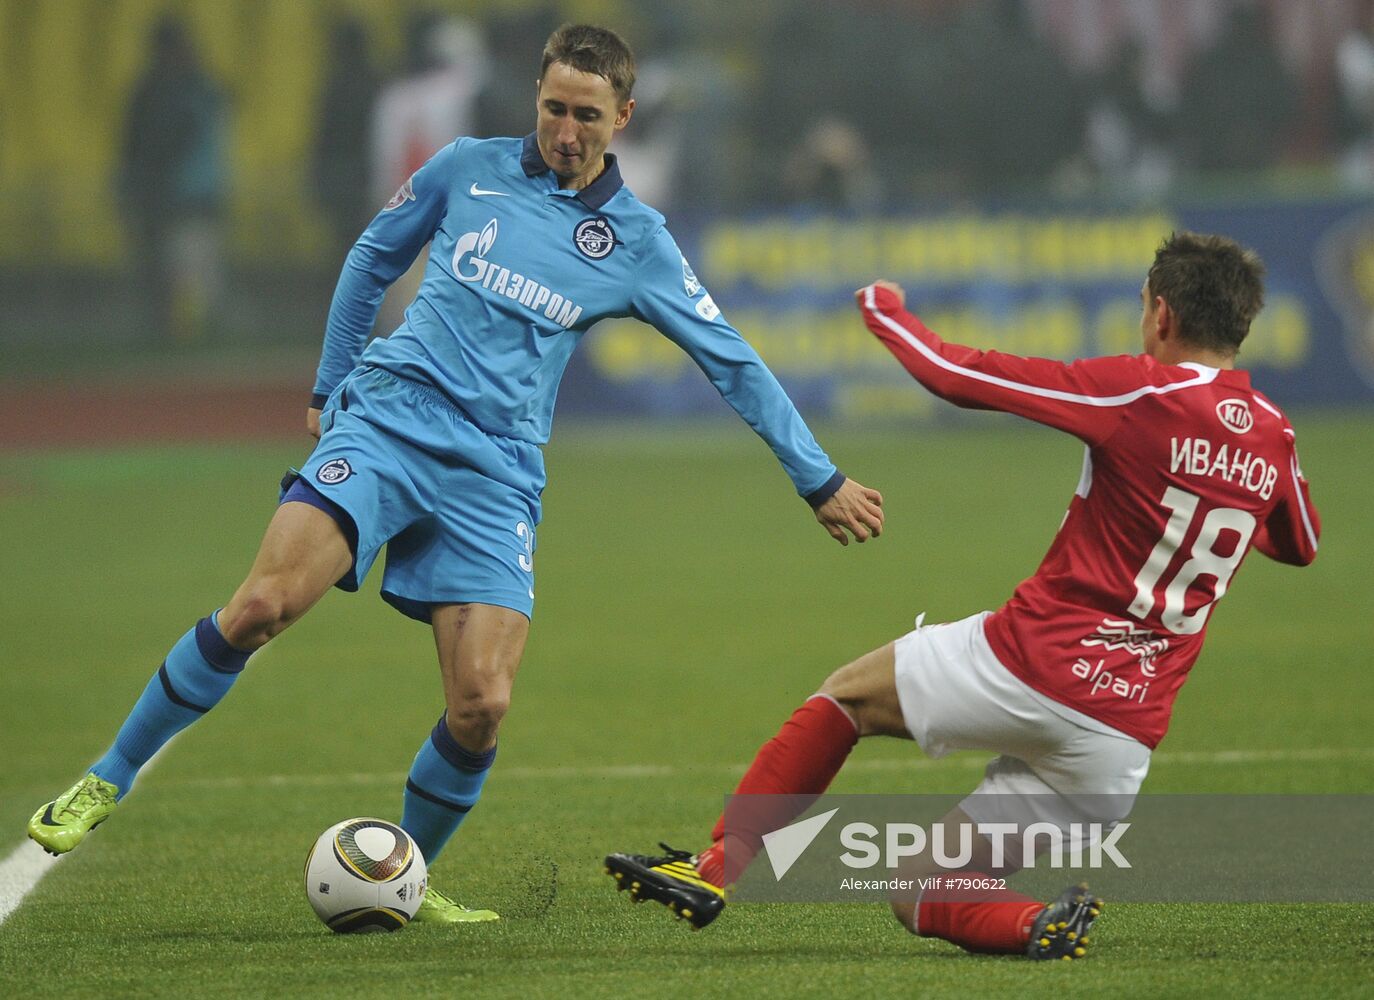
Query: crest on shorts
405, 193
335, 471
595, 238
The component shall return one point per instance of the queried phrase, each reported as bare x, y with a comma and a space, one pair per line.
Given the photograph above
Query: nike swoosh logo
477, 192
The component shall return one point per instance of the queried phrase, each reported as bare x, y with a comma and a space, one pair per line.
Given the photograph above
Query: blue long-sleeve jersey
518, 270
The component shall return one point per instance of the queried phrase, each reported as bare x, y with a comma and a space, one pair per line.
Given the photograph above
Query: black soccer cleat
1061, 930
672, 880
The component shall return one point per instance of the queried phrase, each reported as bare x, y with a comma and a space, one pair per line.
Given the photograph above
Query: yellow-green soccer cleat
436, 908
1061, 931
64, 822
672, 880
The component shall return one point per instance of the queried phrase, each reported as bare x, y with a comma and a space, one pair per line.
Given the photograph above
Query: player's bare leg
995, 919
479, 646
867, 691
302, 554
859, 699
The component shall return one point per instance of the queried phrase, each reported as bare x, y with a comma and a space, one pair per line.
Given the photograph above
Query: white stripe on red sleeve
1204, 375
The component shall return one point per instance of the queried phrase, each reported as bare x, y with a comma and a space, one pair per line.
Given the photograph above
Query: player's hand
853, 507
890, 286
312, 422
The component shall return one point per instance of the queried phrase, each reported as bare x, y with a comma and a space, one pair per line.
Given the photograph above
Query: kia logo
1235, 415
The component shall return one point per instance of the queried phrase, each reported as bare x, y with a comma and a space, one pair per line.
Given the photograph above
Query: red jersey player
1186, 467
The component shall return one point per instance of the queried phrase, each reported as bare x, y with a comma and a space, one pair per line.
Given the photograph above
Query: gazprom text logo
470, 264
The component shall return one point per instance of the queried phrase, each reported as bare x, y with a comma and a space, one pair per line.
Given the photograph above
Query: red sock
801, 760
982, 920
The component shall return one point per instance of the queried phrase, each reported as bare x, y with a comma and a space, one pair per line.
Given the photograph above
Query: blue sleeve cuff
831, 487
317, 400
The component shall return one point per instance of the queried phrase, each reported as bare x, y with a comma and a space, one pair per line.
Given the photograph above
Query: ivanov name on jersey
503, 281
1201, 457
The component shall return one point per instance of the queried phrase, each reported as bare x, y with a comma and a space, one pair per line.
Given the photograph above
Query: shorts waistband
445, 401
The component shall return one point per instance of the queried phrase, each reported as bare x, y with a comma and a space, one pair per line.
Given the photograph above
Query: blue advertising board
1051, 284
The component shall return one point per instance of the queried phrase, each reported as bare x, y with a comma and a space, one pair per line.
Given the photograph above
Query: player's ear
622, 116
1166, 324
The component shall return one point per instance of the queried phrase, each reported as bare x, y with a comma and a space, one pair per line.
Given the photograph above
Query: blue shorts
456, 507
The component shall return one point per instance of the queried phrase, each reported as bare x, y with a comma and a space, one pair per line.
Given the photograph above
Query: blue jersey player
430, 440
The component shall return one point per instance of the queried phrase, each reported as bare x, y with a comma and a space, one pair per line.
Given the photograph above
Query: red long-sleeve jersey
1186, 468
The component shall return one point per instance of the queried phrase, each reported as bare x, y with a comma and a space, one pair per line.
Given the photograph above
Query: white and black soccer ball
365, 875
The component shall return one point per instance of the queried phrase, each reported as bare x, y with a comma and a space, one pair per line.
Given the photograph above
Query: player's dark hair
1214, 286
590, 49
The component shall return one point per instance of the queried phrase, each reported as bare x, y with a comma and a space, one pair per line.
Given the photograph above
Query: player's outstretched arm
853, 508
1084, 397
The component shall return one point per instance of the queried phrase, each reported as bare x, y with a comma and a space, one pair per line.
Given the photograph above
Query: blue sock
445, 782
197, 673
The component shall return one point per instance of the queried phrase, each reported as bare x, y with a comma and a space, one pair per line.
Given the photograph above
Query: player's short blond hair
590, 49
1214, 286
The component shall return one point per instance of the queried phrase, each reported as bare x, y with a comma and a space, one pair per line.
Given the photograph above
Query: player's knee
479, 713
905, 912
259, 612
857, 703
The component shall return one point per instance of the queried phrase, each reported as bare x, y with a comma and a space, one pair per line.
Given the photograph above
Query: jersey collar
1237, 377
594, 195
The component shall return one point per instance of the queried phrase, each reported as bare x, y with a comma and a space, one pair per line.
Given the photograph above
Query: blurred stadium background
179, 180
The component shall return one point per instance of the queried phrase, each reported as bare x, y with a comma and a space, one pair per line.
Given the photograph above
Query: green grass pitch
686, 604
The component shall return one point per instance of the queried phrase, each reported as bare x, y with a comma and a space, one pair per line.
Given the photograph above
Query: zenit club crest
334, 471
595, 238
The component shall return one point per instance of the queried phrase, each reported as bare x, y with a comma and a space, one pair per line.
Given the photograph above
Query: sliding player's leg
1082, 780
798, 764
971, 907
856, 701
479, 646
304, 551
975, 909
1056, 767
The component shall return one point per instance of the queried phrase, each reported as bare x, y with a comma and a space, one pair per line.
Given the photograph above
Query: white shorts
1057, 765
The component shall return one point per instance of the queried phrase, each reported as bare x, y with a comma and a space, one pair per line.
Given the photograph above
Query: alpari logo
470, 265
1235, 415
1140, 642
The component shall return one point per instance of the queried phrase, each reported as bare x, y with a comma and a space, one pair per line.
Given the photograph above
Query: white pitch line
19, 873
915, 763
25, 866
